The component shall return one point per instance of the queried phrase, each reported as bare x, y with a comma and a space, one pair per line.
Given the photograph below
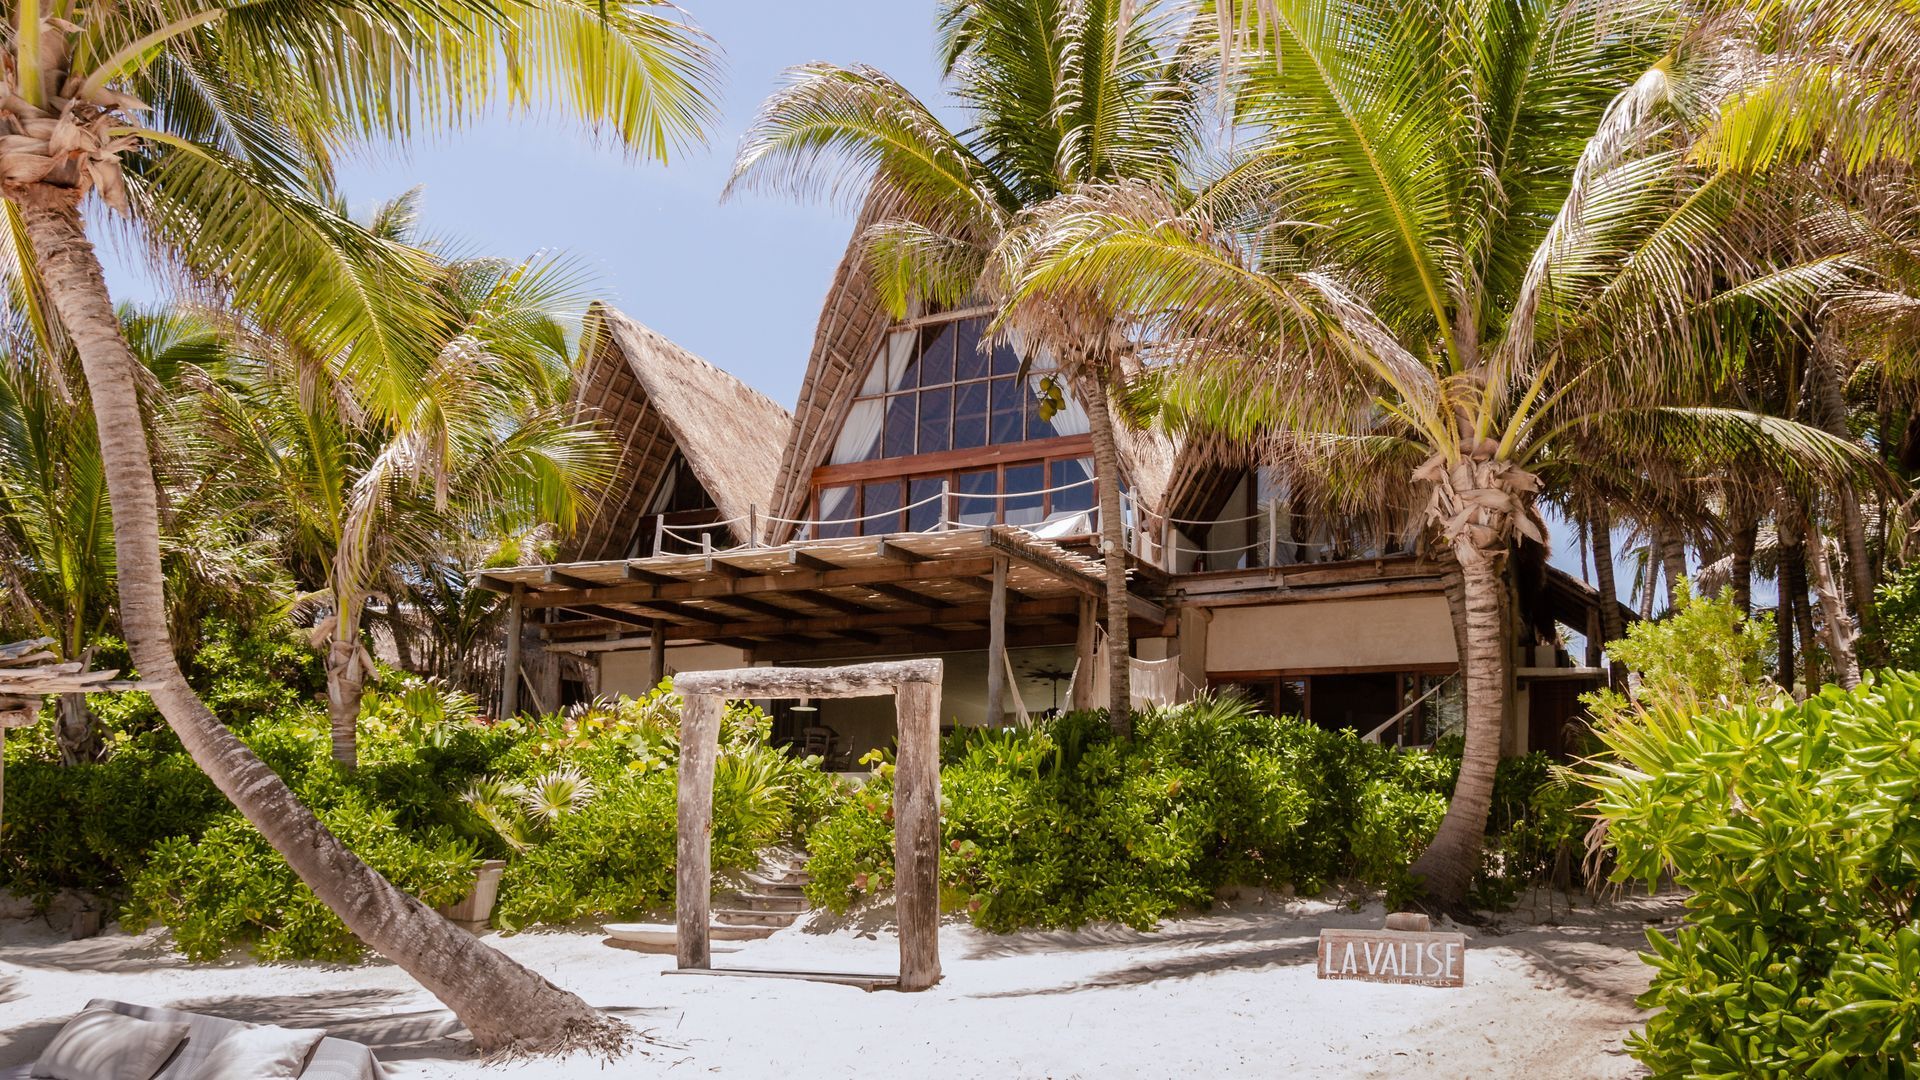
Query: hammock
1151, 682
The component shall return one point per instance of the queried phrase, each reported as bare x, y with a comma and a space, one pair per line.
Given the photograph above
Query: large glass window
932, 389
1018, 493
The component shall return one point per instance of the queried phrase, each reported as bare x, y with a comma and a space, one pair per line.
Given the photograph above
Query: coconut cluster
74, 138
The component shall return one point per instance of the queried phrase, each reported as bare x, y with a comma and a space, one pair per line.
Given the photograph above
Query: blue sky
738, 283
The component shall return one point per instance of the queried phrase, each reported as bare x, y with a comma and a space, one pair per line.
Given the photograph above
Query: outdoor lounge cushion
101, 1044
260, 1053
333, 1059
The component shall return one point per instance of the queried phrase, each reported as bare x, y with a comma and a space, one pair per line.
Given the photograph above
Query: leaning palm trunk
1479, 505
1113, 547
504, 1005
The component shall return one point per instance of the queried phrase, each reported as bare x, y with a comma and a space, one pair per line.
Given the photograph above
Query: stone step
660, 937
769, 901
750, 917
769, 882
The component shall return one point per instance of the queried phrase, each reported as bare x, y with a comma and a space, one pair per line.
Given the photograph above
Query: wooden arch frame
915, 686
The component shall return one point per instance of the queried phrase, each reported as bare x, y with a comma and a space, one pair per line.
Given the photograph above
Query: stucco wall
625, 672
1375, 632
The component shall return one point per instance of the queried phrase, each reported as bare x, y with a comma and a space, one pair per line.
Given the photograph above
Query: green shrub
1897, 616
228, 887
92, 826
1060, 823
1794, 829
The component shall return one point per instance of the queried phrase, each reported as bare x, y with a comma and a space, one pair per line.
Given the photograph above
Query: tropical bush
582, 803
1897, 608
1795, 828
1061, 823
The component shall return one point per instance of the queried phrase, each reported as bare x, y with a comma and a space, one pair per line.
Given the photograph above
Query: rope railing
1148, 534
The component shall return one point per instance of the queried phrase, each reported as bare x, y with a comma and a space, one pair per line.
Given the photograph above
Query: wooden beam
896, 553
1085, 676
997, 644
571, 581
908, 596
860, 680
872, 620
657, 653
1047, 634
916, 831
835, 577
799, 558
693, 870
510, 678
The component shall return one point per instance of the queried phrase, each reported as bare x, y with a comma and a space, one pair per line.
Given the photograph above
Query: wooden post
1166, 544
915, 685
1273, 532
659, 532
916, 839
693, 872
946, 505
753, 525
1594, 635
657, 652
510, 678
1084, 675
997, 645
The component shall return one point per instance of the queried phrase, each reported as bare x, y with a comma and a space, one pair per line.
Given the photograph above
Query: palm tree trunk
1793, 585
1740, 572
1673, 560
1612, 626
1833, 612
77, 733
1649, 577
1447, 868
504, 1005
1113, 546
1783, 626
346, 676
1828, 376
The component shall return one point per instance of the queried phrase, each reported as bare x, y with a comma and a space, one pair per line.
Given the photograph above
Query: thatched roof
853, 325
658, 397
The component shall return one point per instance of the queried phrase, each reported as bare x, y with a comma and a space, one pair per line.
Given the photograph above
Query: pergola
29, 672
993, 587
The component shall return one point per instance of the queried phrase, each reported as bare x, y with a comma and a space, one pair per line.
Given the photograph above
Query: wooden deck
913, 590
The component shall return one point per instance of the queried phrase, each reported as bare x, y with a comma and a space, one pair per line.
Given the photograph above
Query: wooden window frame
947, 466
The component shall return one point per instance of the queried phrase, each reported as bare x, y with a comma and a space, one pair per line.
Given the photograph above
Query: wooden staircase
764, 902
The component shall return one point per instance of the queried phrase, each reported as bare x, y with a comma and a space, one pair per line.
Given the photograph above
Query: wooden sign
1393, 956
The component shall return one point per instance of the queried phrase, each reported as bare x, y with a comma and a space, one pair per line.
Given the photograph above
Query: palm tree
56, 535
485, 445
56, 531
1060, 94
212, 128
1466, 243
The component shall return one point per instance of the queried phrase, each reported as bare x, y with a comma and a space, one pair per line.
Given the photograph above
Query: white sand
1229, 994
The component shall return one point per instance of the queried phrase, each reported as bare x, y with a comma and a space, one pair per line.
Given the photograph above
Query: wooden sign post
1419, 957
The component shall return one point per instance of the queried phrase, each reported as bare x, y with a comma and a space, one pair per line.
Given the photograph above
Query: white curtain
1151, 682
860, 436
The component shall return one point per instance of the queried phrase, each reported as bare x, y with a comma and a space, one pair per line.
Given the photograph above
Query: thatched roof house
852, 332
680, 423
